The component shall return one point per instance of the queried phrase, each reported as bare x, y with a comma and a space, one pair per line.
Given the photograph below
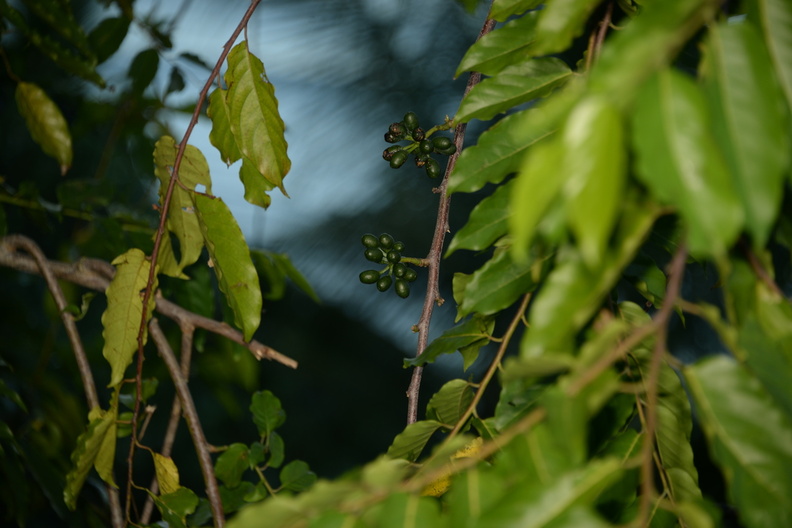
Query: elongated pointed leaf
496, 285
255, 123
501, 48
749, 121
167, 473
46, 123
499, 152
488, 222
775, 18
594, 164
121, 320
560, 22
749, 438
503, 9
88, 446
476, 331
409, 443
182, 222
231, 261
448, 404
679, 162
221, 135
514, 85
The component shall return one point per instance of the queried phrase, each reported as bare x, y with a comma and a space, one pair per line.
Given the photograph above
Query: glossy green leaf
449, 403
503, 9
254, 119
496, 285
121, 320
85, 453
167, 473
267, 412
679, 162
488, 222
749, 121
775, 18
499, 152
560, 22
594, 167
182, 220
514, 85
403, 510
231, 261
410, 443
46, 123
476, 331
296, 476
501, 48
749, 438
232, 464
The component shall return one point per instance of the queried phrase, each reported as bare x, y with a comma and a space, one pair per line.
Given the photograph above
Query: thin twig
676, 270
598, 37
436, 252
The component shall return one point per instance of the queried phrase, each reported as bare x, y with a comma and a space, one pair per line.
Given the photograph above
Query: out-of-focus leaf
560, 22
296, 476
749, 438
107, 36
679, 162
268, 414
122, 318
503, 9
403, 509
274, 269
167, 473
476, 331
46, 123
749, 121
447, 405
469, 5
775, 18
514, 85
409, 443
231, 261
232, 464
176, 81
59, 16
86, 451
143, 69
500, 48
488, 221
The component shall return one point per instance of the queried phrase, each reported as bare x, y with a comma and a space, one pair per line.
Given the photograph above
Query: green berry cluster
421, 146
384, 250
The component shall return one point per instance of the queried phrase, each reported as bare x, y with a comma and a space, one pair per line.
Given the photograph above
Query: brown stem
436, 252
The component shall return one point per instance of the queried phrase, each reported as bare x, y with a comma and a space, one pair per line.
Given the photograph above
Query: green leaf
254, 119
679, 162
296, 476
560, 22
276, 450
514, 85
499, 151
775, 18
268, 414
231, 261
89, 445
749, 438
473, 492
567, 424
46, 123
275, 268
496, 285
122, 318
503, 9
594, 167
176, 506
503, 47
475, 331
59, 16
107, 36
488, 222
221, 135
167, 473
749, 121
143, 69
449, 403
232, 464
401, 510
410, 443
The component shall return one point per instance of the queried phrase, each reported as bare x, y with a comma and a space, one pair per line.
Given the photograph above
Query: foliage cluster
634, 144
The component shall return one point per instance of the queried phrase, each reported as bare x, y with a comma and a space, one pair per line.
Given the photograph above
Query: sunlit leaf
46, 123
231, 261
501, 48
167, 473
560, 22
503, 9
89, 444
296, 476
514, 85
749, 438
449, 403
488, 221
475, 331
122, 318
410, 443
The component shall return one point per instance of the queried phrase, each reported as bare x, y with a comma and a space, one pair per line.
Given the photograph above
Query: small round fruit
399, 269
402, 288
426, 146
384, 283
398, 159
393, 256
441, 142
420, 160
369, 240
388, 153
447, 151
390, 137
410, 121
373, 254
386, 241
369, 276
432, 168
410, 275
397, 129
418, 134
399, 246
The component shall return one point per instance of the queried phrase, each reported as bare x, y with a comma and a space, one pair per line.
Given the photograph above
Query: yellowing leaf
89, 445
46, 123
440, 486
121, 319
167, 473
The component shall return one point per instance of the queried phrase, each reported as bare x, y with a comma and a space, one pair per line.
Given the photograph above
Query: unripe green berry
398, 159
386, 241
432, 168
399, 269
397, 129
402, 288
388, 153
410, 275
399, 246
441, 142
369, 276
384, 283
373, 254
369, 240
421, 159
393, 256
410, 121
426, 146
390, 137
418, 134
